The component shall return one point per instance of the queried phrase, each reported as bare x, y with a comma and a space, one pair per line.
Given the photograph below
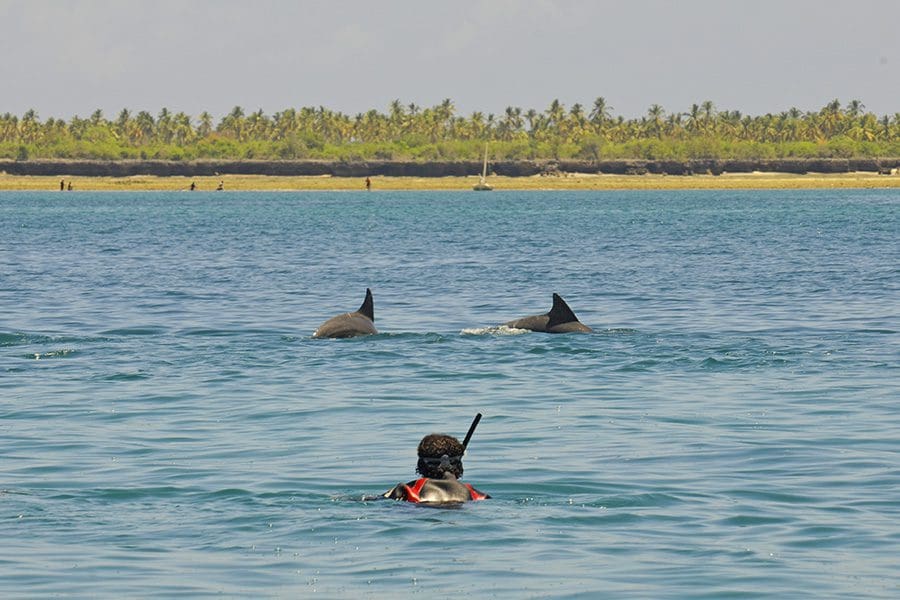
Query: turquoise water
169, 428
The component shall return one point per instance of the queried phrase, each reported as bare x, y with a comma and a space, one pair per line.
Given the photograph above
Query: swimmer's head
439, 454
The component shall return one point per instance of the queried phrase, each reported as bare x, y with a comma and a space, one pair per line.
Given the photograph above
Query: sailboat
482, 186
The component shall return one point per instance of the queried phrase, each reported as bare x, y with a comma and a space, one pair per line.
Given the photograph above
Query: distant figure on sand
221, 186
193, 186
69, 186
62, 184
368, 184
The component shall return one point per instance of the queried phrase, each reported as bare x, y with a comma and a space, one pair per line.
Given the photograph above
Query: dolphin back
346, 325
560, 312
352, 324
560, 319
367, 309
532, 323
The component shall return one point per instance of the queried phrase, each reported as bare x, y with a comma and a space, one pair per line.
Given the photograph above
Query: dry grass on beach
566, 182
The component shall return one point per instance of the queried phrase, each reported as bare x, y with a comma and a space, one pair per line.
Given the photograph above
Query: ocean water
169, 428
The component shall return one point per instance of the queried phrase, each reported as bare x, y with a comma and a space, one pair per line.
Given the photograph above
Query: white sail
482, 186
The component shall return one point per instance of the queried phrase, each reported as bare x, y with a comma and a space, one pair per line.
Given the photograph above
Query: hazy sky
68, 57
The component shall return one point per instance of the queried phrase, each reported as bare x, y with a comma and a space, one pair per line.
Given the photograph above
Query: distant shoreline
572, 181
392, 175
389, 168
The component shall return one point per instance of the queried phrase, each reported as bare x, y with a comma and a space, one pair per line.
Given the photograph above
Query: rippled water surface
169, 428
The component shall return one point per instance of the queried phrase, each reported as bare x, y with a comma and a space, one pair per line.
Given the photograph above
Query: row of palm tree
407, 131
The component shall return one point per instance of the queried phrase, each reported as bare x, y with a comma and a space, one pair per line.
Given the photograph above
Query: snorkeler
440, 464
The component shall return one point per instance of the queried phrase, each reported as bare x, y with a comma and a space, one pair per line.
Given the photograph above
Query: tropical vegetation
411, 132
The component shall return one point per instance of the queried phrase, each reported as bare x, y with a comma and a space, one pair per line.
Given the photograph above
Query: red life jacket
412, 492
476, 495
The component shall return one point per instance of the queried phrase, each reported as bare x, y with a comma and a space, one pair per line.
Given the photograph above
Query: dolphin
560, 319
361, 322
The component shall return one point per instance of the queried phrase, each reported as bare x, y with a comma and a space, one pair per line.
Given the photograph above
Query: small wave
495, 330
13, 339
637, 500
427, 337
715, 363
177, 294
743, 520
618, 331
639, 366
365, 498
135, 493
22, 338
877, 331
229, 493
135, 331
208, 332
135, 376
52, 354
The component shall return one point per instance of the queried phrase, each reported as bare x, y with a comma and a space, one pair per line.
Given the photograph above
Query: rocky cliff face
125, 168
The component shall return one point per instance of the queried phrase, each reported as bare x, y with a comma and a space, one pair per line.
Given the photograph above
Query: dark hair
434, 446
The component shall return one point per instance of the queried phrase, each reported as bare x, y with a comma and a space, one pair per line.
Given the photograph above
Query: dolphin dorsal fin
368, 306
560, 313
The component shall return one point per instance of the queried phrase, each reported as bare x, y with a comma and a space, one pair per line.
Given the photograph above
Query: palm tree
164, 126
511, 123
532, 116
257, 125
146, 126
831, 114
205, 126
445, 111
490, 124
9, 128
233, 124
476, 125
600, 113
855, 108
674, 126
709, 112
693, 124
555, 113
576, 124
122, 122
77, 127
182, 131
655, 116
885, 127
29, 127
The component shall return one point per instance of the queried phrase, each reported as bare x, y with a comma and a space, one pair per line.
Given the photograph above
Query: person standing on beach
193, 186
368, 184
62, 184
70, 186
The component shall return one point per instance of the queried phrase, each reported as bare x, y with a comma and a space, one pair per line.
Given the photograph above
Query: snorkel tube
471, 431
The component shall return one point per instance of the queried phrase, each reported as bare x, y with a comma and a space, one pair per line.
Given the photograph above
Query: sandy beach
861, 180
